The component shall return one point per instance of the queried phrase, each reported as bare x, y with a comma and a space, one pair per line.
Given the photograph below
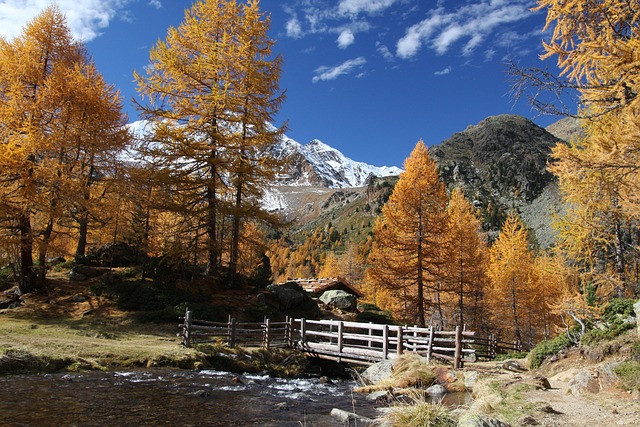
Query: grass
503, 401
45, 345
417, 411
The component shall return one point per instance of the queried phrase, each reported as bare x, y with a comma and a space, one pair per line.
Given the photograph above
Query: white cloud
155, 3
345, 39
294, 30
354, 7
475, 22
411, 43
384, 51
331, 73
444, 71
86, 18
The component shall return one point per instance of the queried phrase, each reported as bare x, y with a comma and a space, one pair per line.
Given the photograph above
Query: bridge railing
355, 342
369, 342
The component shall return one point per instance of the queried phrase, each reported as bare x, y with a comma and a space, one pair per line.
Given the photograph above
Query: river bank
67, 334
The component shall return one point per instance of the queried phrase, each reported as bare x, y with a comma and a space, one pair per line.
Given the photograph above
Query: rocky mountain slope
501, 163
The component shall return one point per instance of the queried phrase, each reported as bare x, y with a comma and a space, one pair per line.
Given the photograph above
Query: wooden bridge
353, 342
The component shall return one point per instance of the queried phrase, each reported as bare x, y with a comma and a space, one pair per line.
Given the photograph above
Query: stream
174, 397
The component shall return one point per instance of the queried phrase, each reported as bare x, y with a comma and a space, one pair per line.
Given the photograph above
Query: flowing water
174, 398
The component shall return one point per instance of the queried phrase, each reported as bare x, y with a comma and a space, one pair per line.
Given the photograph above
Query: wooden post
232, 332
267, 333
340, 332
287, 331
430, 344
303, 331
415, 338
457, 358
492, 346
186, 329
399, 348
370, 333
385, 341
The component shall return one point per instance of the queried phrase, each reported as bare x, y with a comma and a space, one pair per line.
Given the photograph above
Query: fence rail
354, 342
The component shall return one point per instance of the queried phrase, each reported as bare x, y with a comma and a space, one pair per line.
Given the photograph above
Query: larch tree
407, 254
258, 89
40, 131
210, 89
465, 261
596, 44
508, 294
90, 159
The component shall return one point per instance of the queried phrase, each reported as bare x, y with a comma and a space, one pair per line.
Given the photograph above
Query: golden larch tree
210, 89
44, 77
407, 255
465, 261
596, 44
508, 294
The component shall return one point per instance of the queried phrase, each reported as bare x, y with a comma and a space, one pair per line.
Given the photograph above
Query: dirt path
606, 409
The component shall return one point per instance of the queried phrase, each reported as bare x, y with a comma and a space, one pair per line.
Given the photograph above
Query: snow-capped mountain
312, 164
317, 164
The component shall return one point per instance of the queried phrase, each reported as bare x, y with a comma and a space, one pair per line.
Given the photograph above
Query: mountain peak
319, 164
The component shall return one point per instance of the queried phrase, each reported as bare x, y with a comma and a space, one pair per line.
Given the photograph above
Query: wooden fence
258, 334
489, 347
354, 342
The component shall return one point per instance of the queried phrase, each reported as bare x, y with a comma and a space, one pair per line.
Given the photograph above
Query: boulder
593, 380
378, 372
436, 390
636, 307
340, 299
86, 271
470, 379
288, 297
470, 420
74, 276
118, 254
349, 418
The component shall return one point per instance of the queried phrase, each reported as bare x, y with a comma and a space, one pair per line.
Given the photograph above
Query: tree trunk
42, 253
81, 247
26, 283
514, 311
235, 232
211, 224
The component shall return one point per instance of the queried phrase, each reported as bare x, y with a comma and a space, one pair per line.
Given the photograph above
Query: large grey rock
340, 299
350, 418
470, 420
593, 380
86, 271
436, 390
470, 379
636, 307
288, 297
378, 372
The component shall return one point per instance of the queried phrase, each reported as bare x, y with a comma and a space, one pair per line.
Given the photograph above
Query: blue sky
368, 77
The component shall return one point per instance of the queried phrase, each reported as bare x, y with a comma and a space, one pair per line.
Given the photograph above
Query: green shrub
612, 330
618, 309
547, 348
629, 374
